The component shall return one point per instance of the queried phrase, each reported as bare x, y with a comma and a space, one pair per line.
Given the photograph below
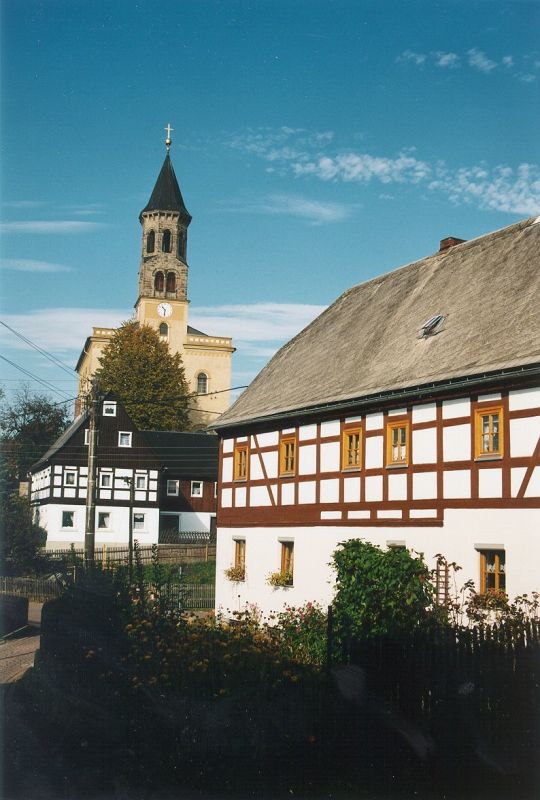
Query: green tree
20, 537
29, 425
379, 592
140, 369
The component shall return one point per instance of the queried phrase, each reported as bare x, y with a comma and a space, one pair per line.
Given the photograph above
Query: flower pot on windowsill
235, 574
282, 579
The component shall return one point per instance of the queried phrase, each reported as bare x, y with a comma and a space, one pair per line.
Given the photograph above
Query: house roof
61, 441
187, 455
166, 195
370, 340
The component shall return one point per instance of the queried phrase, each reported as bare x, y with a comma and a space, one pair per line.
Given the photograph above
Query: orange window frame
492, 571
240, 553
403, 447
488, 443
241, 460
287, 559
351, 448
287, 454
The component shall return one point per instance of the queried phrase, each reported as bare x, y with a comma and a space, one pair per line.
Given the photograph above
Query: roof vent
432, 326
449, 242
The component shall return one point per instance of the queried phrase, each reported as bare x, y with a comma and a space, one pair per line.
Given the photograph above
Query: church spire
166, 195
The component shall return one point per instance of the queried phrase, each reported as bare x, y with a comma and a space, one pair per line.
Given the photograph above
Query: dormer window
159, 282
431, 326
166, 241
109, 409
151, 242
171, 282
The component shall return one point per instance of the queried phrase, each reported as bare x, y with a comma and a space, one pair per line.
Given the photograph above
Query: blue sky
317, 144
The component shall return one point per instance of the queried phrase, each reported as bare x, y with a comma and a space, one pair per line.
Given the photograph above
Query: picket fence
185, 553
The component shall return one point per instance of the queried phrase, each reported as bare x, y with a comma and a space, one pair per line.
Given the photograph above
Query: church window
164, 330
202, 383
166, 241
159, 282
171, 282
151, 242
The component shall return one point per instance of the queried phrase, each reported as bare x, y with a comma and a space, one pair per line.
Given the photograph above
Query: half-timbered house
408, 414
166, 479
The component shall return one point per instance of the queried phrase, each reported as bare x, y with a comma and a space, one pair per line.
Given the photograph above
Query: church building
162, 303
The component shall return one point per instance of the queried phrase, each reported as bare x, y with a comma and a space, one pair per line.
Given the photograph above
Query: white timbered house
166, 478
408, 414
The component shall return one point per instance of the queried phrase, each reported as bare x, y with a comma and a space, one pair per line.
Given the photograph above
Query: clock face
164, 309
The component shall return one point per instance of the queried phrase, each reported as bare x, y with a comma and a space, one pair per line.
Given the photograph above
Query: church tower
162, 303
163, 272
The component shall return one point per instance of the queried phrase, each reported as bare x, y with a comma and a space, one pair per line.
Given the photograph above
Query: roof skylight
430, 327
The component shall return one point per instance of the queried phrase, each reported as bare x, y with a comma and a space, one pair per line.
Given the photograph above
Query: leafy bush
302, 633
20, 537
379, 592
279, 579
235, 573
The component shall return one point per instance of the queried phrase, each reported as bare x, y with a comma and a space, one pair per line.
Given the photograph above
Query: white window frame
68, 527
125, 433
87, 436
104, 527
105, 475
176, 491
142, 526
199, 483
144, 479
109, 408
70, 472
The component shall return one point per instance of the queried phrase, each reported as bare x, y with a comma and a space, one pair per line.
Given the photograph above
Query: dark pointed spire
167, 195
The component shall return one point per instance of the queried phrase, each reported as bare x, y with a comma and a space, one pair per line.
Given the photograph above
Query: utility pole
90, 526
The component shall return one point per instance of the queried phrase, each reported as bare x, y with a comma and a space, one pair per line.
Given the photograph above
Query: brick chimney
449, 242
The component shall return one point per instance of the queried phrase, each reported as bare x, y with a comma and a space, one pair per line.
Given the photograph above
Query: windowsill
403, 465
239, 480
287, 474
489, 457
351, 469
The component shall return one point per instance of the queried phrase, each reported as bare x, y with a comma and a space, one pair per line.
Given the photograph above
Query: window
164, 330
397, 444
171, 282
287, 455
492, 571
215, 488
166, 241
109, 408
104, 520
196, 488
488, 433
105, 480
67, 519
240, 553
172, 487
182, 246
70, 478
150, 242
351, 452
138, 522
124, 439
287, 561
86, 436
241, 462
141, 482
202, 383
159, 282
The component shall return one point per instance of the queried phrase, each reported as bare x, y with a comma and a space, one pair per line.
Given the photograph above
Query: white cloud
257, 322
412, 57
515, 191
363, 167
31, 265
23, 203
446, 60
316, 212
507, 61
479, 60
49, 226
527, 77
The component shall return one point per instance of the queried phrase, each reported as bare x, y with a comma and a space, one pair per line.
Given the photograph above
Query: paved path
17, 653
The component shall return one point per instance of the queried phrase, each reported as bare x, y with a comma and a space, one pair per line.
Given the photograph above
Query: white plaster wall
116, 534
226, 498
373, 488
240, 495
330, 455
306, 492
271, 463
397, 487
524, 435
227, 470
523, 398
457, 443
533, 489
490, 482
329, 491
195, 521
424, 485
457, 483
258, 496
424, 446
255, 469
374, 452
351, 488
456, 408
287, 494
425, 413
374, 421
516, 477
307, 432
307, 459
228, 445
516, 530
332, 428
268, 439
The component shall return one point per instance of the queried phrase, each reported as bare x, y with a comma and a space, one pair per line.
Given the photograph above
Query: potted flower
236, 573
280, 578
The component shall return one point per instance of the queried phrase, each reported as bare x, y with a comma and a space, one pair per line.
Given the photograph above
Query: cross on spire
168, 140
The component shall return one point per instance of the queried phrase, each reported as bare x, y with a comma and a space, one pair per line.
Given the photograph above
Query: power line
43, 352
44, 383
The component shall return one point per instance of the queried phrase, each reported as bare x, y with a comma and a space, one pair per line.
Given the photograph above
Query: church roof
166, 195
382, 338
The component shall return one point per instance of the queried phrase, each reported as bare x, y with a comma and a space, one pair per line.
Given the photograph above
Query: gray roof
186, 454
61, 441
369, 341
166, 195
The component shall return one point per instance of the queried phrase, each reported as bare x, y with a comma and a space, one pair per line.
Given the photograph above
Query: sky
317, 143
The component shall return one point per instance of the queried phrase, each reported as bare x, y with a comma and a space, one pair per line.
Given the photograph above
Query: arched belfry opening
166, 241
151, 242
171, 282
159, 282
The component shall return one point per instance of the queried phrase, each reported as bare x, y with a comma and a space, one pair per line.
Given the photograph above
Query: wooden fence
184, 553
192, 596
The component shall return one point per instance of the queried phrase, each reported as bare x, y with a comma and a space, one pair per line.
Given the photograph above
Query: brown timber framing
310, 514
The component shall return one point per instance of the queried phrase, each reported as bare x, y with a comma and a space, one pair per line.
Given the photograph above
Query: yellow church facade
162, 303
